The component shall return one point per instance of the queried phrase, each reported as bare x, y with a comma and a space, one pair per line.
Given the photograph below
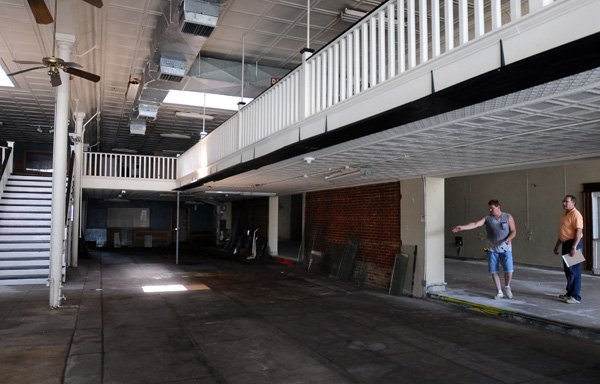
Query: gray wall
532, 196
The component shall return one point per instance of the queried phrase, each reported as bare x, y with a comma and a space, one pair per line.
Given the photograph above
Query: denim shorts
495, 259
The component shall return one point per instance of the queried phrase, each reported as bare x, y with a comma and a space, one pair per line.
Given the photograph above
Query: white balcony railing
139, 167
397, 37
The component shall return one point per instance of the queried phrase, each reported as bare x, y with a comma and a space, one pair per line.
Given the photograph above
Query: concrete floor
256, 323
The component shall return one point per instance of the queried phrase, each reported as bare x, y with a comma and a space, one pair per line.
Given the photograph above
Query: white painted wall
532, 196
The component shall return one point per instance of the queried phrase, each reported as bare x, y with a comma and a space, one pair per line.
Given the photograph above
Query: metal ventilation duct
198, 17
171, 68
137, 127
174, 51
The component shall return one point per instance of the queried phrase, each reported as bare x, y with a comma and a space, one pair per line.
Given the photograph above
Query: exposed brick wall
372, 213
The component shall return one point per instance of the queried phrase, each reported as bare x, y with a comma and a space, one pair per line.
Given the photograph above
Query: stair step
8, 264
30, 177
27, 195
25, 254
24, 223
25, 215
25, 189
6, 247
39, 183
24, 202
22, 237
33, 272
28, 281
25, 230
25, 208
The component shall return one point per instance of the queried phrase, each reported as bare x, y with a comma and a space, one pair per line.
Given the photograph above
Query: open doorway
591, 236
290, 226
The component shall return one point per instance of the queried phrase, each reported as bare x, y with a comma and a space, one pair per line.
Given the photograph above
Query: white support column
59, 173
422, 211
273, 225
77, 187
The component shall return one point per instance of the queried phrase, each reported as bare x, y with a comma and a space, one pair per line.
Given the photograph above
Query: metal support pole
59, 173
177, 233
77, 187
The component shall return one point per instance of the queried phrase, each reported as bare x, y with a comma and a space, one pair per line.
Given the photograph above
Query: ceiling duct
147, 110
171, 68
173, 54
225, 76
137, 127
198, 17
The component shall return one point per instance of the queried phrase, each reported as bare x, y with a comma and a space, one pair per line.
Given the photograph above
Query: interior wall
532, 196
370, 213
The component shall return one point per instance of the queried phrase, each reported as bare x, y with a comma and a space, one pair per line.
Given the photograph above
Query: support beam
273, 225
59, 173
422, 218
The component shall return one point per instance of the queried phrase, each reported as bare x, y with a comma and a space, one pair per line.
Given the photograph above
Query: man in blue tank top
500, 228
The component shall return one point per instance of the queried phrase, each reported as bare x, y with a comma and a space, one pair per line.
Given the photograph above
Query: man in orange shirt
570, 232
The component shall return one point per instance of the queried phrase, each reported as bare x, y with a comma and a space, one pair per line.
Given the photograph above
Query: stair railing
69, 195
7, 165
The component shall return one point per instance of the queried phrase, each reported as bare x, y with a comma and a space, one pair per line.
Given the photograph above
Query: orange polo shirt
569, 223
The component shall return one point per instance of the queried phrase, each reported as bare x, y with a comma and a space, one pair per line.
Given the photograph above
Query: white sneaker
499, 295
572, 300
508, 292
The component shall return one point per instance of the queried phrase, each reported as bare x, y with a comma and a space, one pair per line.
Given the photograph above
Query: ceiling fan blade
23, 71
55, 79
72, 64
83, 74
95, 3
40, 11
27, 62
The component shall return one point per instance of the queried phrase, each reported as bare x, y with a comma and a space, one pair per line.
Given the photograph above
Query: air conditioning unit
171, 69
137, 127
198, 17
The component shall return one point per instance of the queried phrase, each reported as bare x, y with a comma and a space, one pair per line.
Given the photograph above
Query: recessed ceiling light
175, 136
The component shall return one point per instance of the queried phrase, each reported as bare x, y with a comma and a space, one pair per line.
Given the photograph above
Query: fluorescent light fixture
117, 200
242, 193
197, 99
351, 16
344, 172
193, 115
164, 288
175, 136
172, 151
5, 81
125, 150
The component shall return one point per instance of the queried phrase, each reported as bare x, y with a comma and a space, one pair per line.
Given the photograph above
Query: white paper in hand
573, 260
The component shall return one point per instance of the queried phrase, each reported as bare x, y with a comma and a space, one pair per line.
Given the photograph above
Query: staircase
25, 212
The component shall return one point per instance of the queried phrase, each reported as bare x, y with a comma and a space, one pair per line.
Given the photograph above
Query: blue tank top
498, 230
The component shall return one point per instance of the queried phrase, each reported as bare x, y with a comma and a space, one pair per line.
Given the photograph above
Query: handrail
69, 192
6, 156
7, 165
101, 164
393, 39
